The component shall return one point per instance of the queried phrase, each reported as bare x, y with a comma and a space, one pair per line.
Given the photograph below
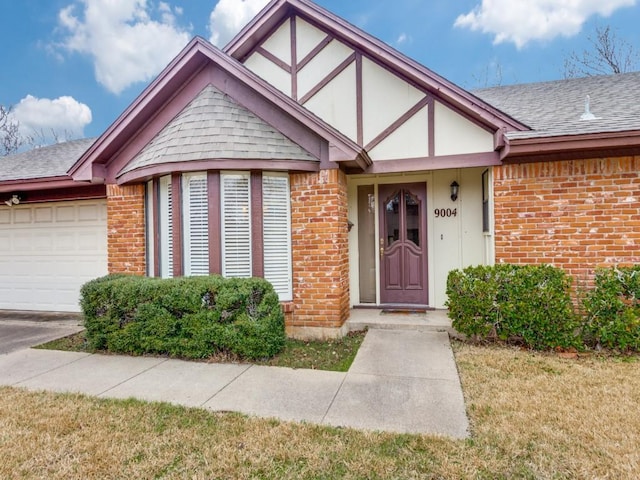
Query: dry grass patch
533, 416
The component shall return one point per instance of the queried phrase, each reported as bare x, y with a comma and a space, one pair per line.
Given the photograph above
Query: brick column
126, 229
320, 254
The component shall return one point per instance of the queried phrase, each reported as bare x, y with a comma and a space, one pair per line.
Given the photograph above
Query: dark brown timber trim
359, 108
336, 71
270, 56
215, 245
317, 49
294, 58
257, 247
431, 127
398, 123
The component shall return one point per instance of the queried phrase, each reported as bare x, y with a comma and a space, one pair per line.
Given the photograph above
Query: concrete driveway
17, 334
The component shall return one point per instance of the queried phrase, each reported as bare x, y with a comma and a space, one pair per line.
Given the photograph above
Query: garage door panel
43, 214
22, 216
48, 251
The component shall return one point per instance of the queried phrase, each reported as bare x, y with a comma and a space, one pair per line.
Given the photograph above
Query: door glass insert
392, 219
412, 206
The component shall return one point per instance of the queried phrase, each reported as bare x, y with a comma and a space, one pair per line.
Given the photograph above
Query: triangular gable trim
278, 11
200, 63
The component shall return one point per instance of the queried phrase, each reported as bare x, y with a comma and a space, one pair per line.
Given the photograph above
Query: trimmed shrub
527, 304
612, 309
191, 317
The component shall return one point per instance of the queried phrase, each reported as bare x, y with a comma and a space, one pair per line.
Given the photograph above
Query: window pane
392, 219
276, 234
196, 224
412, 206
236, 225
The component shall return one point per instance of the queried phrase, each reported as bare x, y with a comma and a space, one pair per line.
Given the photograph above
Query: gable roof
555, 112
198, 65
213, 125
277, 11
44, 164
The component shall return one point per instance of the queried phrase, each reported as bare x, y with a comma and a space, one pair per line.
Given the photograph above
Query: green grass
334, 355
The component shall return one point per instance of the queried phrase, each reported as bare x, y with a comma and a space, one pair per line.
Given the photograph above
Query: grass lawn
533, 416
335, 355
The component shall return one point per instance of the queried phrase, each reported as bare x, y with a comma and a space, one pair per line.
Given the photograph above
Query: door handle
381, 247
381, 251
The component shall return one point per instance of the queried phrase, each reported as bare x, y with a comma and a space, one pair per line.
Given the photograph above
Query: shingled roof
556, 108
43, 162
213, 125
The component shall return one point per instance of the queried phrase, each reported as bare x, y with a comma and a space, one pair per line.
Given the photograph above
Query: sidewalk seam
130, 378
227, 384
46, 371
333, 399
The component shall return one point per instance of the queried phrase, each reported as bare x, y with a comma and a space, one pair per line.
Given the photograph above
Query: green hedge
191, 317
612, 309
528, 304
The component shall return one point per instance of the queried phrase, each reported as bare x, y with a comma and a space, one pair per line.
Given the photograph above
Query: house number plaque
446, 212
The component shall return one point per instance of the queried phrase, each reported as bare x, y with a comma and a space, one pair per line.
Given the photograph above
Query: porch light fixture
455, 188
14, 200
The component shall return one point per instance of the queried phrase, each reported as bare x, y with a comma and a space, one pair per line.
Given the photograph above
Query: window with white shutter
276, 228
166, 227
234, 245
196, 224
236, 224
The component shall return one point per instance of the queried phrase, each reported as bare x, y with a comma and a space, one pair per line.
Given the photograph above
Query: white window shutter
276, 232
196, 224
166, 228
236, 225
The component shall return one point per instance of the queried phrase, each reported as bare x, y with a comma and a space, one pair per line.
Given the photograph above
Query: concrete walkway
402, 381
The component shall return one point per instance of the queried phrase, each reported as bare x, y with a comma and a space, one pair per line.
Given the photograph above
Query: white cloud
403, 39
63, 116
521, 22
128, 41
229, 16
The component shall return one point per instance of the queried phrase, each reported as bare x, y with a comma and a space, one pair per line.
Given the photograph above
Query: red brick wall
126, 229
572, 214
319, 249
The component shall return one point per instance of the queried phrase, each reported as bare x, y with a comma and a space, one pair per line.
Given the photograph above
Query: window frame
168, 197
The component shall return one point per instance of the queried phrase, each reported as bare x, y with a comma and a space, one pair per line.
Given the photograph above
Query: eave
47, 183
571, 147
172, 83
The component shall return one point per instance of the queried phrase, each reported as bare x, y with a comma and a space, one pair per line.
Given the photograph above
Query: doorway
402, 244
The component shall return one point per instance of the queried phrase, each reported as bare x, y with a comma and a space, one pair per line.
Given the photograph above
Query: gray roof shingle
555, 108
214, 126
43, 162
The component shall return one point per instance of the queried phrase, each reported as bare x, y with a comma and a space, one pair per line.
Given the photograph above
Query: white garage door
48, 250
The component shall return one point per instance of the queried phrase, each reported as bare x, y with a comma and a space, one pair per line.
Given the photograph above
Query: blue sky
75, 65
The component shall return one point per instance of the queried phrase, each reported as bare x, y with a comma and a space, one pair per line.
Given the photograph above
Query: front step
433, 320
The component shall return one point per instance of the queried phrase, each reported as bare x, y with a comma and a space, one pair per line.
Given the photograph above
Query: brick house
314, 155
